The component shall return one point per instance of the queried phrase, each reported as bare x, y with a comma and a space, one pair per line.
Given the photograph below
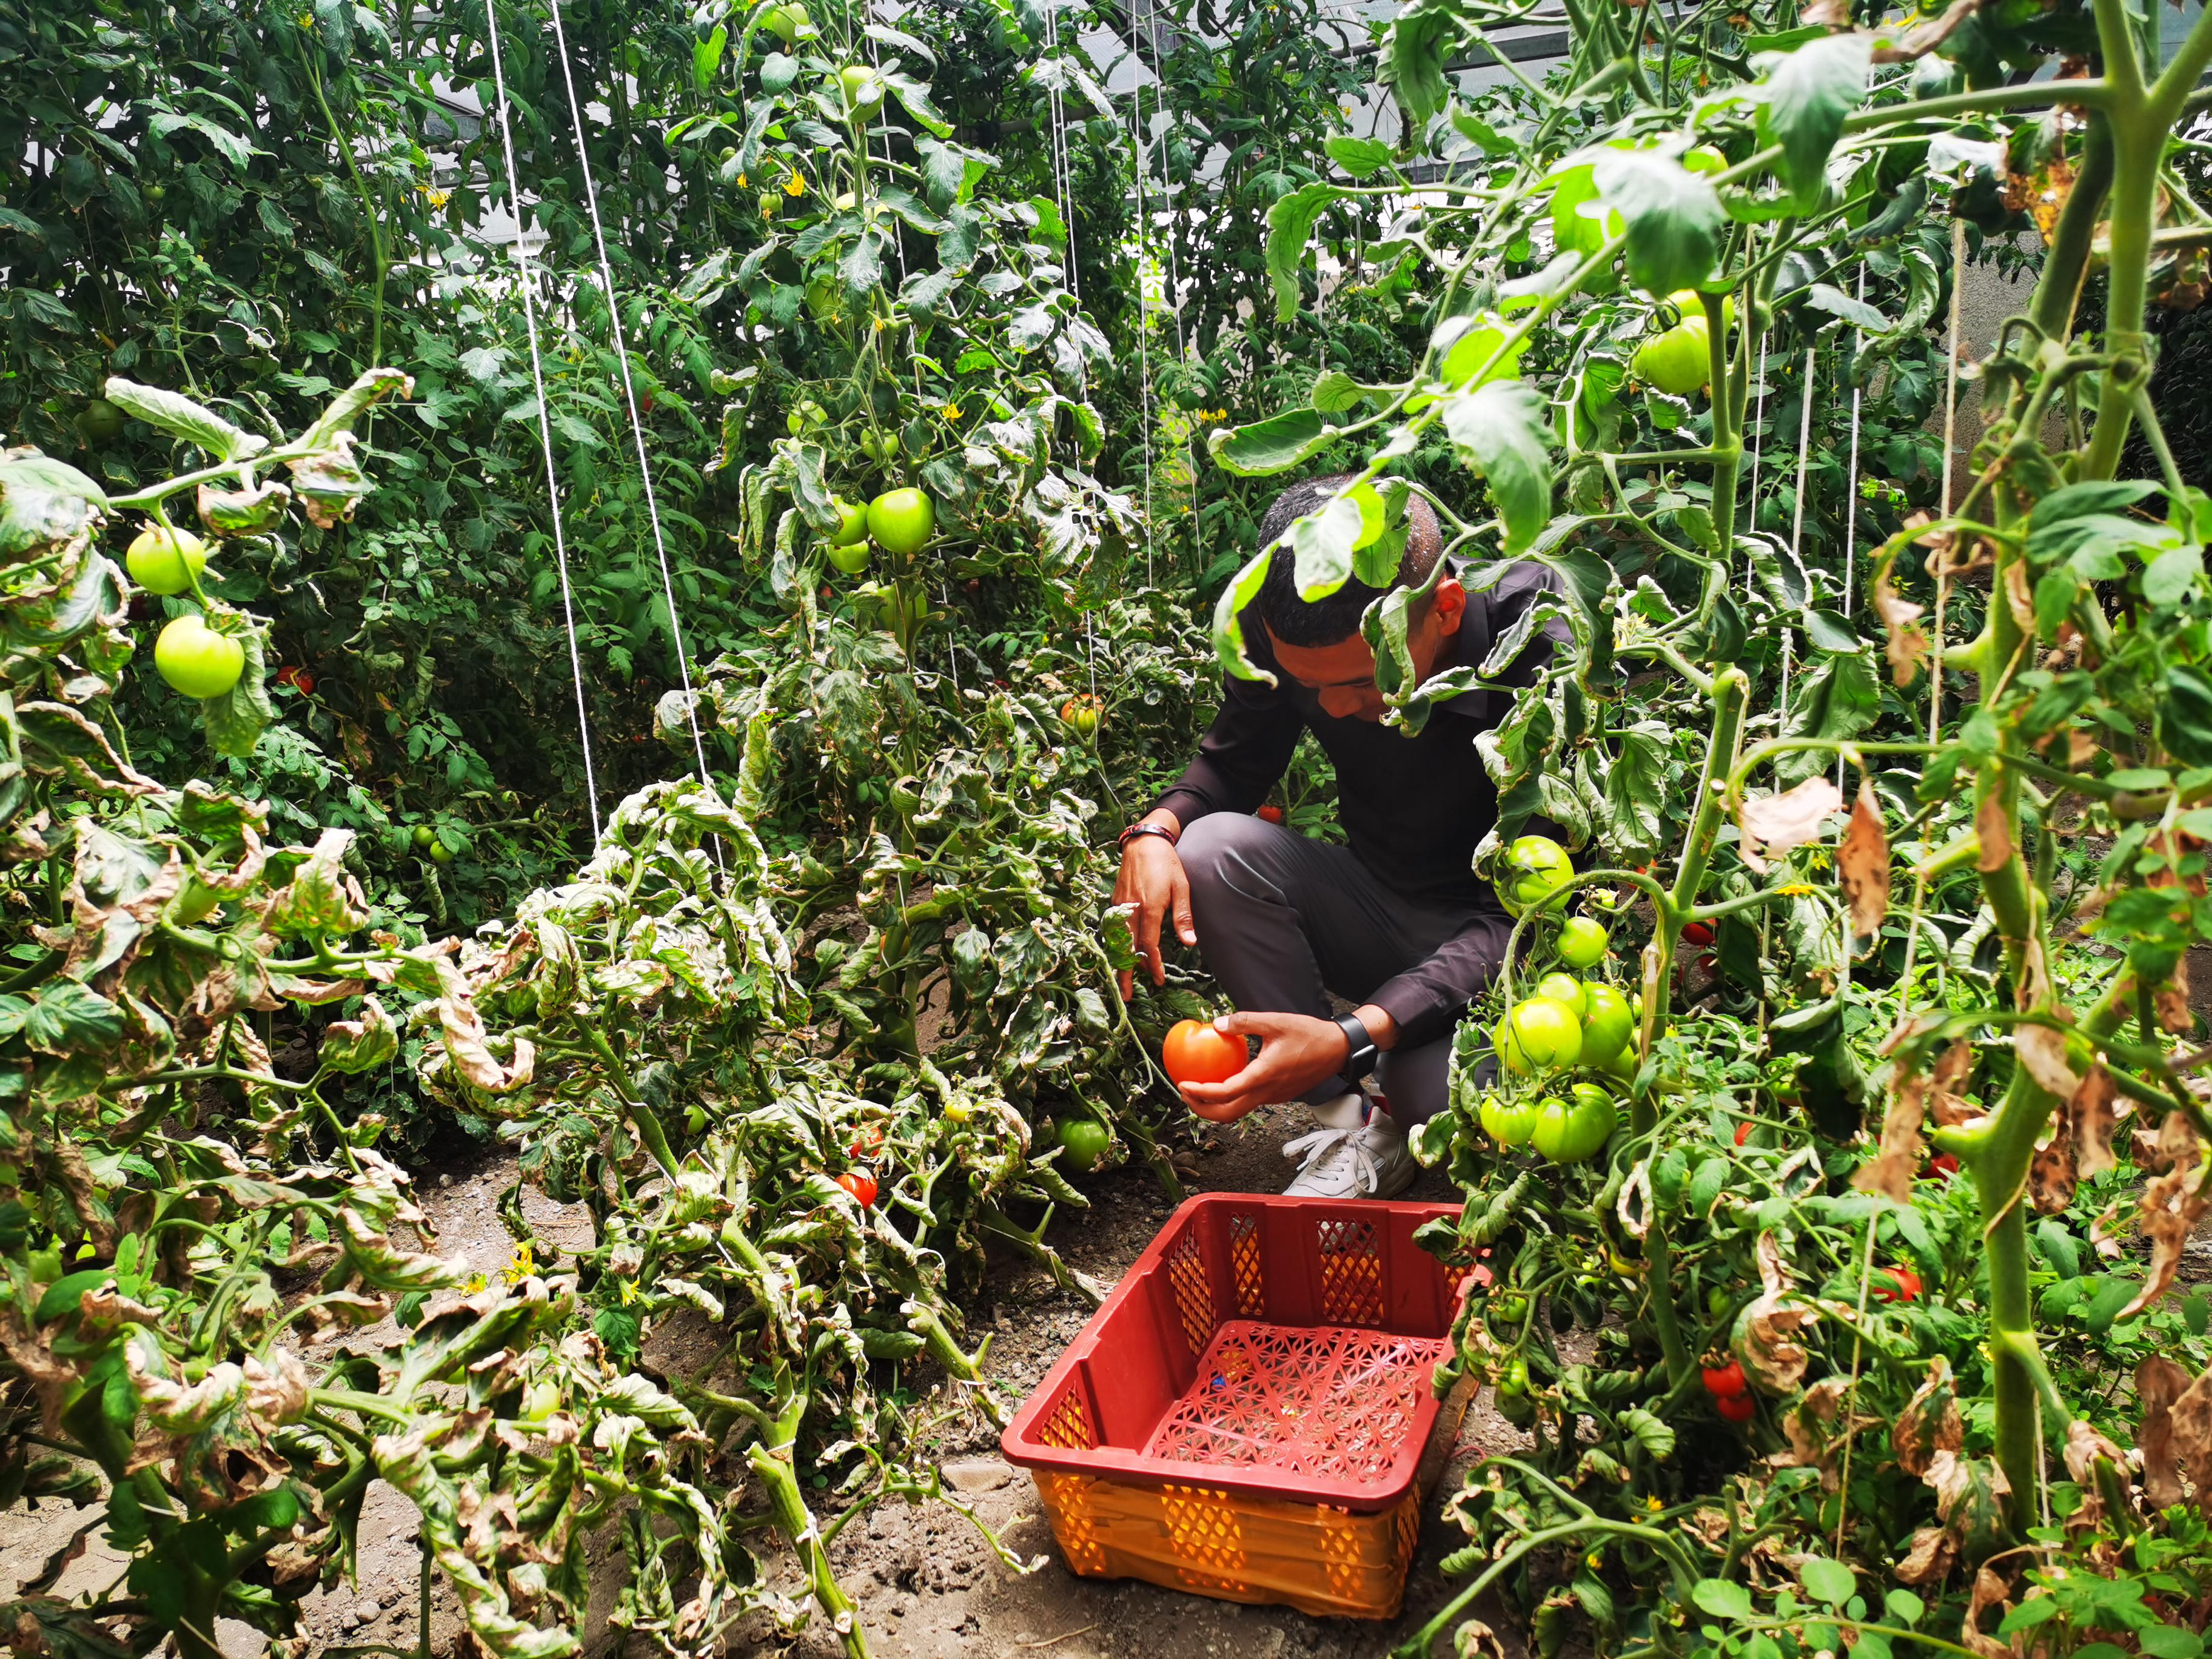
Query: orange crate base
1316, 1558
1313, 1557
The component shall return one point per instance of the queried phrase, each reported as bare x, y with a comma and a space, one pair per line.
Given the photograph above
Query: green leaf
1322, 543
1501, 432
1652, 1435
1636, 793
2184, 716
1808, 94
180, 417
360, 1045
1838, 699
1413, 58
1335, 393
65, 1017
1829, 632
1827, 1581
1721, 1598
915, 94
707, 58
1228, 626
1289, 222
2172, 576
1357, 156
1673, 216
1857, 313
44, 500
1274, 444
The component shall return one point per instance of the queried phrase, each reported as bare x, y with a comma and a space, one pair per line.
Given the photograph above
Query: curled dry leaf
1816, 1440
2158, 1384
1773, 824
2042, 1051
2085, 1449
1863, 866
2171, 1001
1930, 1423
1765, 1333
1907, 646
2171, 1205
1992, 835
2018, 598
2091, 1117
1990, 1592
1928, 1559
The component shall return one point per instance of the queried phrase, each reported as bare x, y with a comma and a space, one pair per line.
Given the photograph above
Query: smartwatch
1363, 1053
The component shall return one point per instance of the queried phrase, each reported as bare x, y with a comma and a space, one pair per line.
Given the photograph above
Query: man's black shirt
1413, 809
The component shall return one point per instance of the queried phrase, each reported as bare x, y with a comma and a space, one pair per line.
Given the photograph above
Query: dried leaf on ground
1773, 824
1863, 866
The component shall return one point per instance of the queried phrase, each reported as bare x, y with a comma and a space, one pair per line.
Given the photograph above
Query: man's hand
1296, 1053
1151, 877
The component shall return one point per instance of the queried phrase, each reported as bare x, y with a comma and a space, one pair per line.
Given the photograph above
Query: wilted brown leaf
1989, 1592
2159, 1383
1863, 866
1890, 1171
1829, 14
2042, 1051
1766, 1342
1907, 641
1815, 1441
2021, 602
1928, 1559
1924, 36
1992, 835
1930, 1423
468, 1045
2171, 1001
2171, 1205
2091, 1117
2085, 1446
1773, 824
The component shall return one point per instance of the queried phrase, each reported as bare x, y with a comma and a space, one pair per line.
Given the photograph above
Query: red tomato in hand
1725, 1381
1199, 1054
862, 1185
1736, 1407
1894, 1285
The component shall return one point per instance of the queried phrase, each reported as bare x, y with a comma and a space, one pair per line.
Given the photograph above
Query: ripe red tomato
1742, 1133
1736, 1407
1725, 1381
286, 675
862, 1185
1270, 813
868, 1138
1894, 1285
1697, 933
304, 682
1197, 1054
1944, 1164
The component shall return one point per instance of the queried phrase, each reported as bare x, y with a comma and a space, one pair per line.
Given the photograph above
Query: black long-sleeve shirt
1413, 808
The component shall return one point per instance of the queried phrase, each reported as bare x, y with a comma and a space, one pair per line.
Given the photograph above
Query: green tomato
100, 423
1571, 1131
1678, 362
1083, 1143
900, 520
1533, 868
863, 86
47, 1265
197, 660
1565, 988
1539, 1035
424, 836
784, 21
1704, 158
695, 1118
165, 560
441, 853
851, 557
852, 522
1508, 1122
1608, 1019
1514, 1379
1582, 942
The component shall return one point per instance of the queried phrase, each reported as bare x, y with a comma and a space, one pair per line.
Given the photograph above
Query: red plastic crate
1250, 1414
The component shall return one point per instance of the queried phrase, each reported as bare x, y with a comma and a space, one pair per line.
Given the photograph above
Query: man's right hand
1151, 877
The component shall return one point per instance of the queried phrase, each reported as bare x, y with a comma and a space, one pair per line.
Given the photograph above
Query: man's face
1343, 674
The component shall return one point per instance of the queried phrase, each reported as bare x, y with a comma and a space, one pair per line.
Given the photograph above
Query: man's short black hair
1332, 620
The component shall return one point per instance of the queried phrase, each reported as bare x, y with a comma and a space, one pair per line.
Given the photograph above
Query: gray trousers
1282, 920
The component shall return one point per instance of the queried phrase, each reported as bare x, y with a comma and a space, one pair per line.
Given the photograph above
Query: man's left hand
1296, 1053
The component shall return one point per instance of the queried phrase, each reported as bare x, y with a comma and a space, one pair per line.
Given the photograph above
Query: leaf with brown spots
1863, 866
2050, 1177
2171, 1208
1766, 1332
1773, 824
1930, 1423
2042, 1051
1992, 833
1816, 1442
2171, 1001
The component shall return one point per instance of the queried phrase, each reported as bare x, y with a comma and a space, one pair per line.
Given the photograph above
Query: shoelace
1327, 1145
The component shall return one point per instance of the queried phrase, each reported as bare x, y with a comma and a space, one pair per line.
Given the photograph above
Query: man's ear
1450, 604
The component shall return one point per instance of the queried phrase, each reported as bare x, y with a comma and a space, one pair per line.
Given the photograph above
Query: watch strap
1363, 1053
1137, 829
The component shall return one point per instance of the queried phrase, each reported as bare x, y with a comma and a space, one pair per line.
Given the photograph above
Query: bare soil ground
927, 1584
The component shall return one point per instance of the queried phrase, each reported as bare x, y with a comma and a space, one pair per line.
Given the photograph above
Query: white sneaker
1358, 1152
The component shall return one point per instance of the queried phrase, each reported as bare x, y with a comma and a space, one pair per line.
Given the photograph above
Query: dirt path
927, 1584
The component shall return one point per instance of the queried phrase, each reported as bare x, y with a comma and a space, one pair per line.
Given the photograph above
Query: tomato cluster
1731, 1392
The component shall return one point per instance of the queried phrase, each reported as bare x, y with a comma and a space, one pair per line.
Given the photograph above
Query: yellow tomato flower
794, 185
743, 184
952, 411
1796, 890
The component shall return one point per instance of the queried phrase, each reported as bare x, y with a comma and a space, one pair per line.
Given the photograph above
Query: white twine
544, 420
